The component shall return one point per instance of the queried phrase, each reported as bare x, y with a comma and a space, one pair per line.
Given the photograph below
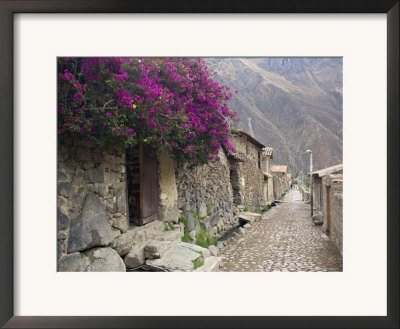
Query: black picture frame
7, 11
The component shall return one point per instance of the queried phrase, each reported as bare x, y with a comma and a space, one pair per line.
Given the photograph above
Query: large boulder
91, 228
104, 260
75, 262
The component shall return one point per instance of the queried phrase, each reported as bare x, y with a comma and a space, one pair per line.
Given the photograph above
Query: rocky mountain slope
290, 104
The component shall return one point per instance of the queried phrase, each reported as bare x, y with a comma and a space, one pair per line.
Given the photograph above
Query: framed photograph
199, 164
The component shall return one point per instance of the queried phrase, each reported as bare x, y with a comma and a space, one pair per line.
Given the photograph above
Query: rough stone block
202, 209
62, 220
156, 249
318, 218
213, 250
64, 189
191, 221
84, 154
94, 175
91, 228
215, 219
135, 257
60, 248
62, 177
120, 223
74, 262
104, 260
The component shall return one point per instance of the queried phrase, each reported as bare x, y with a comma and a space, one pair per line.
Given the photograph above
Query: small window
259, 160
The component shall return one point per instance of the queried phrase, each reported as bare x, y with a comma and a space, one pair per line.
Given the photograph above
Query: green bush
186, 237
204, 239
246, 209
198, 262
171, 226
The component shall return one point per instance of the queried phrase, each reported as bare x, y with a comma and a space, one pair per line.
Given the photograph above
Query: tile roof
279, 168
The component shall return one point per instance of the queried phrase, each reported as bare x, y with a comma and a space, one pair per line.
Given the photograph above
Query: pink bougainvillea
173, 103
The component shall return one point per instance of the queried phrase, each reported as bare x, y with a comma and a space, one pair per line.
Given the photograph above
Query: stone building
317, 177
332, 208
280, 180
248, 164
268, 178
101, 210
119, 210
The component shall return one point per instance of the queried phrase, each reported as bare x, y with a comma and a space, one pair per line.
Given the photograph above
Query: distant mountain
290, 104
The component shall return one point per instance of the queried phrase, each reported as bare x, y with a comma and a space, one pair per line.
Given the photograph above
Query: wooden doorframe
143, 220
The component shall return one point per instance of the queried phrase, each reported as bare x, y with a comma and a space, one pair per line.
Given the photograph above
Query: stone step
174, 235
180, 257
177, 259
249, 217
140, 235
205, 252
211, 264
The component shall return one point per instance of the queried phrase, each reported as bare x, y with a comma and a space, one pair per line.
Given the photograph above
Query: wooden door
329, 210
148, 185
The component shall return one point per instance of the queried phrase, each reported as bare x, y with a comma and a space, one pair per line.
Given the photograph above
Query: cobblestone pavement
284, 240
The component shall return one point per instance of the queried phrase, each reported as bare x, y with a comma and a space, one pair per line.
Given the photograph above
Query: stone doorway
234, 176
142, 184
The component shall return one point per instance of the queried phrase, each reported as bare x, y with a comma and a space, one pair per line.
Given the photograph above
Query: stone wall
206, 192
270, 189
277, 188
333, 192
91, 205
337, 216
94, 233
93, 229
251, 171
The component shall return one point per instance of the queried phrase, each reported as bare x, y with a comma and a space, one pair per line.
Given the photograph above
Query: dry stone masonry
99, 194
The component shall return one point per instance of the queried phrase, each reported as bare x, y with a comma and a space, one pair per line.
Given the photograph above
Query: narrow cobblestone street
286, 240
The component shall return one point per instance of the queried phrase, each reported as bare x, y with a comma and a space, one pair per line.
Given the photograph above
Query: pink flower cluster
172, 102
